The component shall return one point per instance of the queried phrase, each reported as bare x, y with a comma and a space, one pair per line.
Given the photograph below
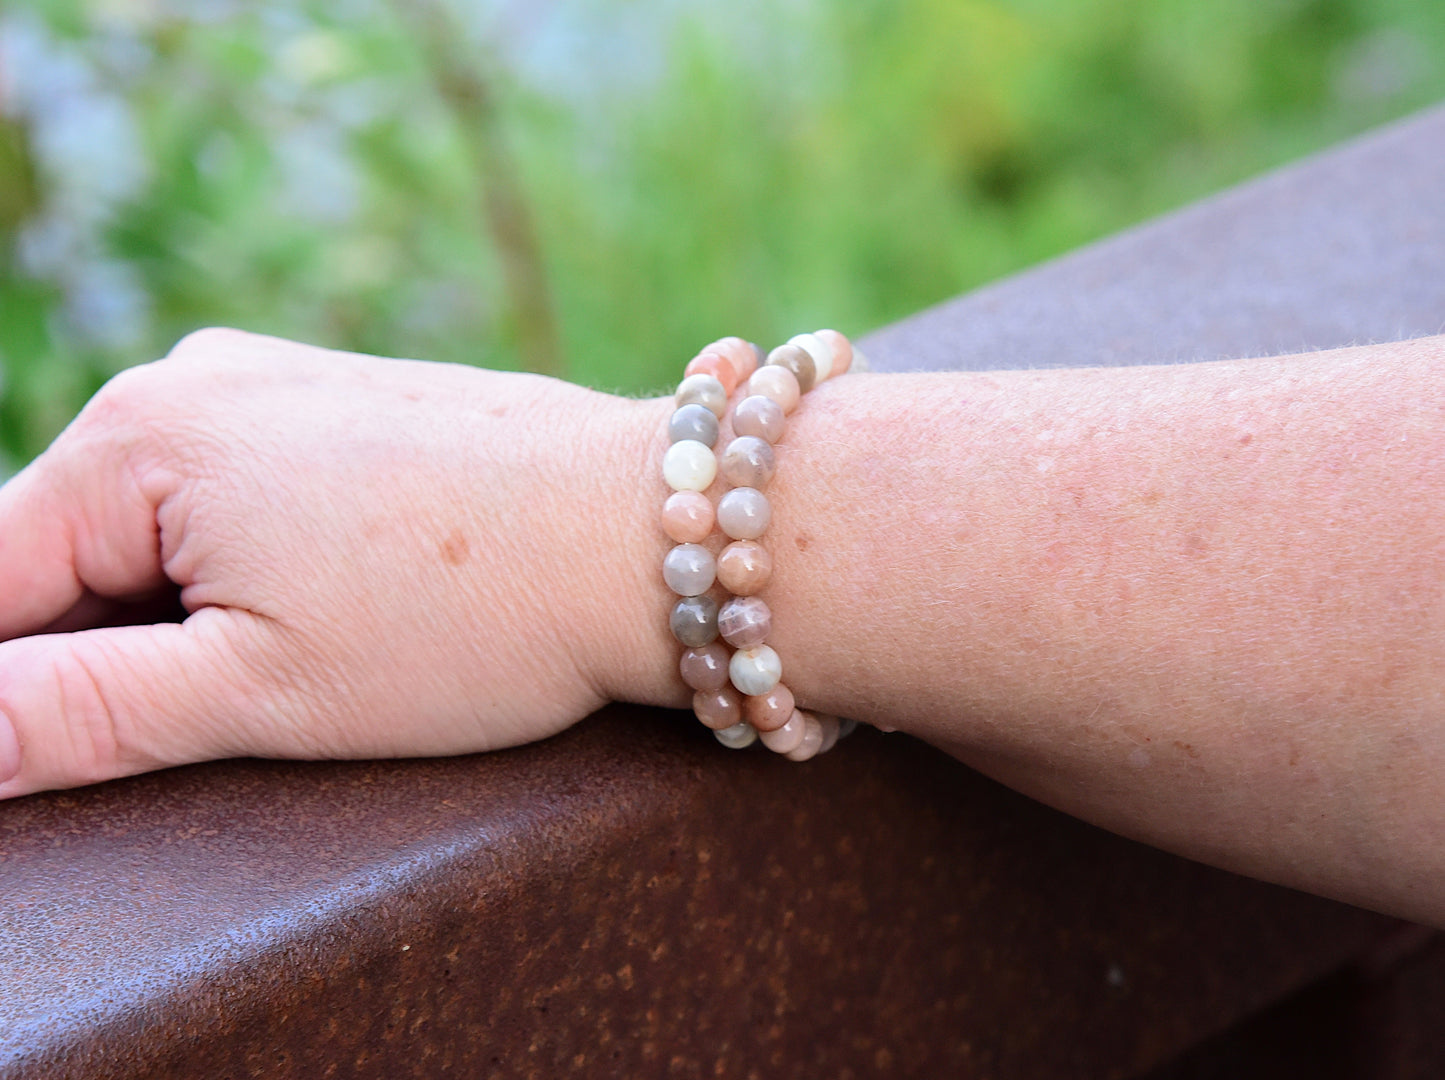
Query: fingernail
9, 750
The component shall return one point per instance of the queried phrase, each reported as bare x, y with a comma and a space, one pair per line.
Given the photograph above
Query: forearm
1199, 605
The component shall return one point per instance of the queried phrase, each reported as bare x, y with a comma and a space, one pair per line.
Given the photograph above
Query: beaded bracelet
738, 694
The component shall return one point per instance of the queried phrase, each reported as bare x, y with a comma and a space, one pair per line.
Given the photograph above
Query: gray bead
695, 422
694, 621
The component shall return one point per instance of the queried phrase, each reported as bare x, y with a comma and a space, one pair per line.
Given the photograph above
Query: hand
377, 557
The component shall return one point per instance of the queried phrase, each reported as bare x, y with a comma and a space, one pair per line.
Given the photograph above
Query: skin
1203, 605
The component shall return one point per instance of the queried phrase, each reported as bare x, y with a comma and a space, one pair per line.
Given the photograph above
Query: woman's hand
378, 558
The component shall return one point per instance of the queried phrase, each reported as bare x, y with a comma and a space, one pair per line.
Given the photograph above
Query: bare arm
1203, 605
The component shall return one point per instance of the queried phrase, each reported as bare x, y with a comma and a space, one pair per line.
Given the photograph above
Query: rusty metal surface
623, 901
627, 900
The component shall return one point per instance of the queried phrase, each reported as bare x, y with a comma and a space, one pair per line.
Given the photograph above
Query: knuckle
209, 342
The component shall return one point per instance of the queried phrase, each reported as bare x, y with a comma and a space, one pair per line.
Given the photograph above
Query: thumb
90, 706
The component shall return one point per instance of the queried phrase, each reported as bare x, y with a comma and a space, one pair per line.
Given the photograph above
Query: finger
79, 708
77, 518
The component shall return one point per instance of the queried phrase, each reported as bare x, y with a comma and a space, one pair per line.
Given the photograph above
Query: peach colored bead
787, 738
759, 416
688, 517
741, 354
744, 567
842, 350
718, 709
748, 462
770, 711
777, 383
716, 365
706, 667
812, 740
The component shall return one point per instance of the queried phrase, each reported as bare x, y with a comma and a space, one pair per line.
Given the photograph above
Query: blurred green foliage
595, 187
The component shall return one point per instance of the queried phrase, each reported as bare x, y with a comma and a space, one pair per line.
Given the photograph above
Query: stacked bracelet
738, 694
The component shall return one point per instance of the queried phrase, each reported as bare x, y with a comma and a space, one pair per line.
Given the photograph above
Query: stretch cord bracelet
738, 694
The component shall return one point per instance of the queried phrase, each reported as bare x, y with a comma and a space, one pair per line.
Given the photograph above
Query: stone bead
706, 667
819, 350
744, 621
694, 622
786, 738
759, 416
770, 711
742, 355
846, 727
695, 422
795, 359
688, 517
812, 740
721, 708
748, 461
829, 724
755, 670
744, 567
703, 390
716, 365
689, 466
842, 350
737, 737
778, 384
689, 569
744, 513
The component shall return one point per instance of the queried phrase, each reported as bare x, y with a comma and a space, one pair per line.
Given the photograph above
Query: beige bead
796, 360
812, 740
689, 569
760, 416
748, 461
744, 621
744, 513
819, 350
688, 517
703, 389
737, 737
755, 670
787, 738
744, 567
770, 711
689, 466
777, 383
829, 724
842, 350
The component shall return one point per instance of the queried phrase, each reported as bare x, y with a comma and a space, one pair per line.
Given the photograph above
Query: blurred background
594, 188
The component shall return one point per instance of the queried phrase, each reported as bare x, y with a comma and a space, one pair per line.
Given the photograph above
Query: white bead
688, 465
860, 362
819, 350
755, 670
737, 737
